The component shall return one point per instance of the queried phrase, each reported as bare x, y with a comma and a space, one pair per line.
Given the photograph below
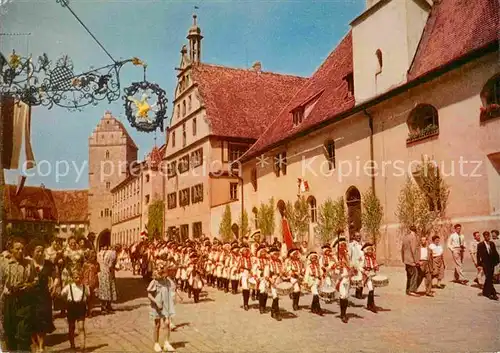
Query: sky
292, 37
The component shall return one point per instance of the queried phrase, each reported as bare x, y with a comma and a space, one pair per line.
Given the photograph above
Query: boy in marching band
263, 288
370, 268
275, 308
344, 271
198, 284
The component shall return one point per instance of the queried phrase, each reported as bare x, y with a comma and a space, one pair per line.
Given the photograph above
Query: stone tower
111, 150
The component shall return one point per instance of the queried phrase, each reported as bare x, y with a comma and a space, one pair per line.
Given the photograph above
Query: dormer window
378, 54
298, 116
349, 79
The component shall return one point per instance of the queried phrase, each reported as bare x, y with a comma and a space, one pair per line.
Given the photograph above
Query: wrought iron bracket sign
145, 106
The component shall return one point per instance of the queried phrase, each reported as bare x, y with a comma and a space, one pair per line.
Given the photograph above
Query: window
378, 54
135, 210
102, 213
108, 185
184, 164
172, 200
184, 137
254, 178
173, 138
171, 169
107, 154
184, 197
183, 108
189, 103
255, 217
197, 193
138, 208
147, 178
490, 97
147, 199
280, 163
233, 191
184, 232
422, 122
178, 111
197, 230
197, 158
350, 83
236, 151
298, 115
194, 126
330, 153
312, 209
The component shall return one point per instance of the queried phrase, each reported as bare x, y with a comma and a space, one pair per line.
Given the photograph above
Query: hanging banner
287, 234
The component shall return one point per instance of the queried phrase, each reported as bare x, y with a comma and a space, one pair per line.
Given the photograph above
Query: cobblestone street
456, 320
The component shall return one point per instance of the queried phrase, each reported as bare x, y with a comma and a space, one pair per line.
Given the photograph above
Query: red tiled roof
328, 84
241, 102
156, 155
454, 29
29, 197
72, 205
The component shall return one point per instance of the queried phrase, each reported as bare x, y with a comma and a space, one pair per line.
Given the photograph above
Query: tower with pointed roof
194, 36
111, 151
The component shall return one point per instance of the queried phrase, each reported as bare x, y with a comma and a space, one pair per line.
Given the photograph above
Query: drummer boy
275, 308
370, 268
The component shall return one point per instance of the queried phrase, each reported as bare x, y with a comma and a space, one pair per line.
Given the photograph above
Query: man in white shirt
456, 244
425, 266
473, 254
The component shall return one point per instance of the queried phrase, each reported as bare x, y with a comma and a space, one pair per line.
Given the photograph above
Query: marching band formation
260, 271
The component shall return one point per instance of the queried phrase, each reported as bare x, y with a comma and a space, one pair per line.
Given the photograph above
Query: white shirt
424, 254
487, 243
244, 280
274, 292
77, 292
473, 246
314, 287
455, 240
263, 285
437, 250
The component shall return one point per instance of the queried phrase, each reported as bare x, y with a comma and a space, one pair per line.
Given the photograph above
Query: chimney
42, 186
257, 66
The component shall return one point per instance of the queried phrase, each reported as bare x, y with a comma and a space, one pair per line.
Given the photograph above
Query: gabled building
412, 79
72, 212
133, 196
219, 112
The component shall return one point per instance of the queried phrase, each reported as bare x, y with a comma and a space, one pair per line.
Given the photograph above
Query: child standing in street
197, 285
161, 293
76, 294
275, 307
437, 261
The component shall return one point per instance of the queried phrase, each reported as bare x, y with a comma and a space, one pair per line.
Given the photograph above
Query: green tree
372, 215
298, 217
331, 218
156, 211
423, 202
265, 215
243, 223
225, 230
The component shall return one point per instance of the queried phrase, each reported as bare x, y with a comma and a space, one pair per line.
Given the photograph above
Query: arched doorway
104, 239
353, 200
236, 230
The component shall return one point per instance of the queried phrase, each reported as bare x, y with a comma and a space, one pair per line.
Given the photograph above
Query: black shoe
272, 314
344, 319
277, 317
245, 307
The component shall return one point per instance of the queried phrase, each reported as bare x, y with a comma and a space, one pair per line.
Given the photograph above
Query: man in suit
487, 259
410, 255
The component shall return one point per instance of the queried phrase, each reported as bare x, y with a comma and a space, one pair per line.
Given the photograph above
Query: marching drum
327, 292
252, 283
357, 281
380, 281
284, 288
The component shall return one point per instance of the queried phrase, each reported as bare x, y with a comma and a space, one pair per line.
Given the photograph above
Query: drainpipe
242, 202
372, 154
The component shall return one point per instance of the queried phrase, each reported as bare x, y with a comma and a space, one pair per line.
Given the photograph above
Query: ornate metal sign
145, 106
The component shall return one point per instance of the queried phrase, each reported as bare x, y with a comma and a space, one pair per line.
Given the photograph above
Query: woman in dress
46, 281
91, 279
107, 287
